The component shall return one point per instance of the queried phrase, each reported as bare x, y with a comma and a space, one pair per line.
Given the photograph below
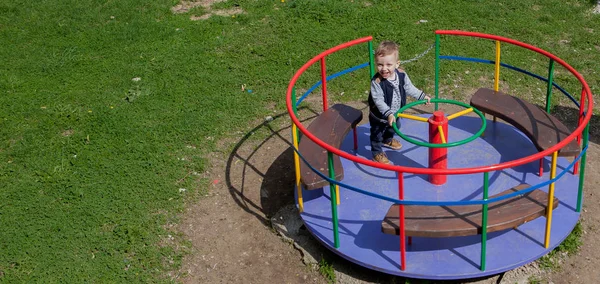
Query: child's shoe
381, 158
393, 144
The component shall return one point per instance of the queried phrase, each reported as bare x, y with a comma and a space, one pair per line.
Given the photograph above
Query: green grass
568, 247
327, 271
533, 280
92, 162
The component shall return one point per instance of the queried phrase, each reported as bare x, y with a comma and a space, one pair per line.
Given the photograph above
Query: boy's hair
386, 48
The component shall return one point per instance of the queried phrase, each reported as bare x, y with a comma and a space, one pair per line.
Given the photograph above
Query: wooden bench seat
450, 221
543, 129
331, 127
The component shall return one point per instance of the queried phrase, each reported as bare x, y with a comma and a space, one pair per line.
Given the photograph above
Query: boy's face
386, 65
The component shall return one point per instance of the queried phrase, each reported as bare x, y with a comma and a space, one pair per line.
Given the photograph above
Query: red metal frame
324, 83
455, 171
401, 222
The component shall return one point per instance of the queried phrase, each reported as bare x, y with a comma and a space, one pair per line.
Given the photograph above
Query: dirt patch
207, 5
564, 41
186, 6
228, 12
248, 228
230, 229
67, 132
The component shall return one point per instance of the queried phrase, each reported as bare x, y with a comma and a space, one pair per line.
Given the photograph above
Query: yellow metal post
497, 69
550, 200
297, 167
441, 131
462, 112
413, 117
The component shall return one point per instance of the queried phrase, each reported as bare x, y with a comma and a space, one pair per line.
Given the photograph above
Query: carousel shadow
276, 188
569, 115
276, 192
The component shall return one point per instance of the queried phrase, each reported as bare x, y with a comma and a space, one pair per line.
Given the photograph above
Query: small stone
269, 118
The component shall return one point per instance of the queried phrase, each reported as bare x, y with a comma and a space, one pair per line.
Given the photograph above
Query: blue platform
360, 216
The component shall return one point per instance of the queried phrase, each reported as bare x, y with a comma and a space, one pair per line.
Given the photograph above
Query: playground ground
114, 112
252, 181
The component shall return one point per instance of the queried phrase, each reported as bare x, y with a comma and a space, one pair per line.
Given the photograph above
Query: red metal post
438, 158
401, 223
541, 167
324, 83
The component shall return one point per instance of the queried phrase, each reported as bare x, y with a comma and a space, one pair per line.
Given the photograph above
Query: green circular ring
442, 145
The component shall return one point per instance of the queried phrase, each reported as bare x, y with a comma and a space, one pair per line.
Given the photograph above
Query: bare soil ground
186, 6
235, 238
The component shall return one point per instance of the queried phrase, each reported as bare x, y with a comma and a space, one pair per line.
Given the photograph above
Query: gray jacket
382, 102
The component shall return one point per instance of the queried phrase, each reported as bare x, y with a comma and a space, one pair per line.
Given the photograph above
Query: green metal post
294, 102
484, 220
437, 68
586, 136
549, 91
371, 60
295, 108
333, 197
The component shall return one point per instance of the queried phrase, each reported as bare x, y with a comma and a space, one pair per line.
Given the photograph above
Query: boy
389, 88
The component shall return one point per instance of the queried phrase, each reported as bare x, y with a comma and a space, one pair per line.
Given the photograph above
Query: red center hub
438, 156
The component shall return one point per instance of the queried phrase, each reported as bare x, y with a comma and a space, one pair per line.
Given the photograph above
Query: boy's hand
428, 99
391, 119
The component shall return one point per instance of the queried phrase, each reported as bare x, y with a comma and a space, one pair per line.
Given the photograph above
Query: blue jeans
380, 133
